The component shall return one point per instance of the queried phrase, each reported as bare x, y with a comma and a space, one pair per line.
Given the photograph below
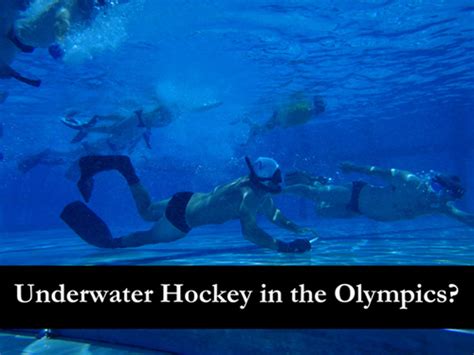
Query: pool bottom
26, 343
424, 241
239, 341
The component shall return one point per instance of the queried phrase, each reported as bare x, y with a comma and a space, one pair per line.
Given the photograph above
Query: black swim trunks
176, 210
357, 187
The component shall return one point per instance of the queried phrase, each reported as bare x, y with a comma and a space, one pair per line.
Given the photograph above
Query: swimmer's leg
93, 164
46, 157
93, 230
162, 232
148, 210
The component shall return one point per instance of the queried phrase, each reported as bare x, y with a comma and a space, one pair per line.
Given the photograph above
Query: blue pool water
397, 79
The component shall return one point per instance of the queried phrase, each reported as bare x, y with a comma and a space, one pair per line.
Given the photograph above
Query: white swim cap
265, 168
265, 173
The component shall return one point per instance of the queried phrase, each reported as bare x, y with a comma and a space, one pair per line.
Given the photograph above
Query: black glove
296, 246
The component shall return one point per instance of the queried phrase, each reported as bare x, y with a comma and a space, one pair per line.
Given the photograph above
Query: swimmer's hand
347, 166
296, 246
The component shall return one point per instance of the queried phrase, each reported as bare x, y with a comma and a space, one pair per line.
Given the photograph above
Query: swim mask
265, 173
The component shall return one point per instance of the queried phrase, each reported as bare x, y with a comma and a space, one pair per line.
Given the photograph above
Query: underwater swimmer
119, 135
405, 196
299, 111
119, 127
242, 199
49, 26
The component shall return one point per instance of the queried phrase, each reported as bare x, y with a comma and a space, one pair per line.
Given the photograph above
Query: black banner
237, 297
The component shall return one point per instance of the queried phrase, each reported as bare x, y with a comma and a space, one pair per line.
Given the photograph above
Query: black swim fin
21, 46
9, 72
91, 165
89, 226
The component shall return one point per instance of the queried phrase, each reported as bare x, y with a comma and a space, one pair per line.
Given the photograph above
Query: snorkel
270, 184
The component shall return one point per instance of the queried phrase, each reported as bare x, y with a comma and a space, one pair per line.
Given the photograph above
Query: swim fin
87, 225
21, 46
8, 72
91, 165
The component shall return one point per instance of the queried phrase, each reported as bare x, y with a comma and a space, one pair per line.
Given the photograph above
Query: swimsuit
176, 211
353, 204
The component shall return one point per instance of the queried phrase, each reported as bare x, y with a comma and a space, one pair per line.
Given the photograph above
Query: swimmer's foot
87, 225
93, 164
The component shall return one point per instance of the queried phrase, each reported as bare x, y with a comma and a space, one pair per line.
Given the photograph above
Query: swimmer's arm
393, 175
461, 216
251, 231
275, 216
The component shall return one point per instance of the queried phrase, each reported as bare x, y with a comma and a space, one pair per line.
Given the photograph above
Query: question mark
454, 292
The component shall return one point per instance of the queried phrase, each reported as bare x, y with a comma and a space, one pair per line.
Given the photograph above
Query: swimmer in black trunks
405, 196
242, 199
